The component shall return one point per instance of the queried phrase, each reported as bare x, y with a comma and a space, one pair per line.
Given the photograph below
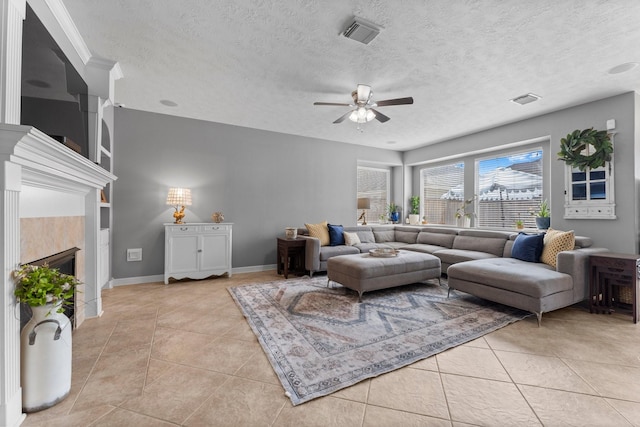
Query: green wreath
573, 145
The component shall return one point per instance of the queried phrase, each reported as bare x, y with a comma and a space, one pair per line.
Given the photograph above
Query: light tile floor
182, 354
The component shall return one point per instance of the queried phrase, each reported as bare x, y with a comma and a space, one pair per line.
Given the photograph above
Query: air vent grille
361, 31
525, 99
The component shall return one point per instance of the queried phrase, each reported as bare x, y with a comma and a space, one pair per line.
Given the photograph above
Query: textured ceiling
262, 64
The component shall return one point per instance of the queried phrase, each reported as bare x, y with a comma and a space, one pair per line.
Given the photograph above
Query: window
442, 192
374, 184
508, 188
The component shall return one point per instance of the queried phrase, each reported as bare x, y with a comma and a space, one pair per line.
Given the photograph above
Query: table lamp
363, 203
179, 197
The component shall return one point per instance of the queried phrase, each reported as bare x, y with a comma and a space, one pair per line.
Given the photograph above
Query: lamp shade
364, 203
179, 197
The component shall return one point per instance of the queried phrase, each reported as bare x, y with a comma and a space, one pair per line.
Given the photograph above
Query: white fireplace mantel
28, 157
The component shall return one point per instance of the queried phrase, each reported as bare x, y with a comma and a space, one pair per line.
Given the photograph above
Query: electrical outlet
134, 254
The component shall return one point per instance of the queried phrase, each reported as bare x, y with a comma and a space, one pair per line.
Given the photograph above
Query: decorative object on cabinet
45, 341
543, 215
103, 197
363, 203
573, 147
589, 183
217, 217
179, 197
197, 250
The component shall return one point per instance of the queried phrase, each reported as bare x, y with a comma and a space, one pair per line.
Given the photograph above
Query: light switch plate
611, 124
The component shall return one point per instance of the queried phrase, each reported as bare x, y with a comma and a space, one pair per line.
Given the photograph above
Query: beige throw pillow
556, 241
351, 239
319, 231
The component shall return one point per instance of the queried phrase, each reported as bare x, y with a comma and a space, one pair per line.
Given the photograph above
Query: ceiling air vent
525, 99
361, 31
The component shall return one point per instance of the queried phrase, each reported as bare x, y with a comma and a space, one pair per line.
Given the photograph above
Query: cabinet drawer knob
183, 228
199, 250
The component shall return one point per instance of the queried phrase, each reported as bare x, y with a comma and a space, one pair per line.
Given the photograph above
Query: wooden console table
291, 253
610, 270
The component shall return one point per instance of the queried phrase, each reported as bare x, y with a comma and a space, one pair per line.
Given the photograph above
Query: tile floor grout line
516, 384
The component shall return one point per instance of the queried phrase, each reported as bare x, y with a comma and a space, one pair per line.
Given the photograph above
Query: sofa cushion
528, 247
365, 247
327, 252
335, 235
384, 236
319, 231
406, 236
535, 280
437, 239
419, 247
494, 246
351, 238
556, 241
366, 236
453, 256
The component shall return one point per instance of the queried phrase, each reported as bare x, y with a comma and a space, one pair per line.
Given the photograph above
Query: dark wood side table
291, 253
610, 270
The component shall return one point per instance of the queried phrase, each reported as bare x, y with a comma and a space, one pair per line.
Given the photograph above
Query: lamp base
363, 217
178, 215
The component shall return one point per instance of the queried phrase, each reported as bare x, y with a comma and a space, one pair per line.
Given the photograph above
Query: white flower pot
414, 219
45, 359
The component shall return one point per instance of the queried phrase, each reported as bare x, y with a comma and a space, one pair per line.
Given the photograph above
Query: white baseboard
160, 277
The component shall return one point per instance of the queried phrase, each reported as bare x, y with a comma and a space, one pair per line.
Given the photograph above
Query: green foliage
38, 286
575, 143
392, 208
415, 205
543, 210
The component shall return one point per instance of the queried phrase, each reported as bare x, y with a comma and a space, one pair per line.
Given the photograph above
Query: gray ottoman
363, 272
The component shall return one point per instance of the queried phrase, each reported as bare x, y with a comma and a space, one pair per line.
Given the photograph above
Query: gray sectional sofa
477, 262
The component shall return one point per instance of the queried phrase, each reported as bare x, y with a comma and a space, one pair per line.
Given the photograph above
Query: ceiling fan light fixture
362, 115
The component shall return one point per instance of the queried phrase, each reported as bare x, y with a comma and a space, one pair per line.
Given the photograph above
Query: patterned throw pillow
351, 239
319, 231
556, 241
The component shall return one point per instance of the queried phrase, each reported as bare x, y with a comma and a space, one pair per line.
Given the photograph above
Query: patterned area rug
320, 340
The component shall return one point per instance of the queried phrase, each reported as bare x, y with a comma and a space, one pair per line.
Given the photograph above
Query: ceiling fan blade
341, 118
364, 93
397, 101
338, 104
380, 117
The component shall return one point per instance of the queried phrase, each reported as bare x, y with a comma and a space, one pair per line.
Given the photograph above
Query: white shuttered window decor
442, 192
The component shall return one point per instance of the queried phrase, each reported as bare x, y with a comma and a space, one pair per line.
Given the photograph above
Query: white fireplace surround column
30, 158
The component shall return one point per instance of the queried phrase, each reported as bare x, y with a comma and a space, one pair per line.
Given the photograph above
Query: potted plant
43, 286
463, 218
519, 224
414, 215
394, 215
45, 341
543, 215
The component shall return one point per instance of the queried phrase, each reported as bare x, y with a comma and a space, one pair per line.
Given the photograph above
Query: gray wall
262, 182
619, 235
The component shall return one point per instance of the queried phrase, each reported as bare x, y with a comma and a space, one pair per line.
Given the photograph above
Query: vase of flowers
463, 218
45, 341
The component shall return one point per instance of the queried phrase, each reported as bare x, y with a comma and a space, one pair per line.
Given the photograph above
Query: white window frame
373, 218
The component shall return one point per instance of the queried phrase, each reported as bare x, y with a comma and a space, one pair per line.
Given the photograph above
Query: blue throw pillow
335, 235
528, 247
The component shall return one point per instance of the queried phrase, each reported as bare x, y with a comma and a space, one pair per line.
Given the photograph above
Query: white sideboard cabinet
197, 250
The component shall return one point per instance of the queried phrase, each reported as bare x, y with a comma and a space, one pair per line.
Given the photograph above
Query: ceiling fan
364, 107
